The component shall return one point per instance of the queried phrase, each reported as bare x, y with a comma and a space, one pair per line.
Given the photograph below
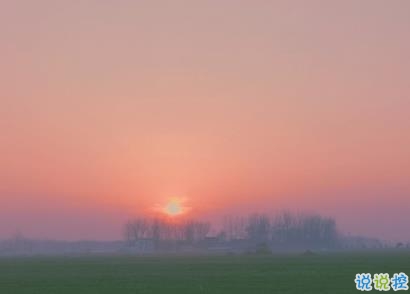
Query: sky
108, 109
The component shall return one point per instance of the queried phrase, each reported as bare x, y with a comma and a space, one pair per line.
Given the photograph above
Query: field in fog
297, 273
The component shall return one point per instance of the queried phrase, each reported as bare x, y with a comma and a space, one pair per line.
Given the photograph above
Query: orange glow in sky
108, 108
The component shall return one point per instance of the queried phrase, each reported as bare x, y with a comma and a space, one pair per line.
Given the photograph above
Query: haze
108, 109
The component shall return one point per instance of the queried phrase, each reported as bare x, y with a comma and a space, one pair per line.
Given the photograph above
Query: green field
320, 273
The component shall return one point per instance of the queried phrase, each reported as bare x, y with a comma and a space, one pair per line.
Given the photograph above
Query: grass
321, 273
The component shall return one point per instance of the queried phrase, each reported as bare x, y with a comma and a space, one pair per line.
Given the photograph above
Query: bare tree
304, 230
195, 231
136, 229
234, 227
258, 228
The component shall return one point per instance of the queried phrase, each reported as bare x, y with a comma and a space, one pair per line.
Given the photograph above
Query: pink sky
109, 108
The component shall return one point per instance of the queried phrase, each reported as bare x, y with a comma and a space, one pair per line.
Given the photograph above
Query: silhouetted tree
258, 228
136, 229
234, 227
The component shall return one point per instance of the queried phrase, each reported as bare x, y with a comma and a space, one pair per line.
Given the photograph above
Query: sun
174, 207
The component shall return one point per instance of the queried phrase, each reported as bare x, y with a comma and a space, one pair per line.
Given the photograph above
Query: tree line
283, 230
